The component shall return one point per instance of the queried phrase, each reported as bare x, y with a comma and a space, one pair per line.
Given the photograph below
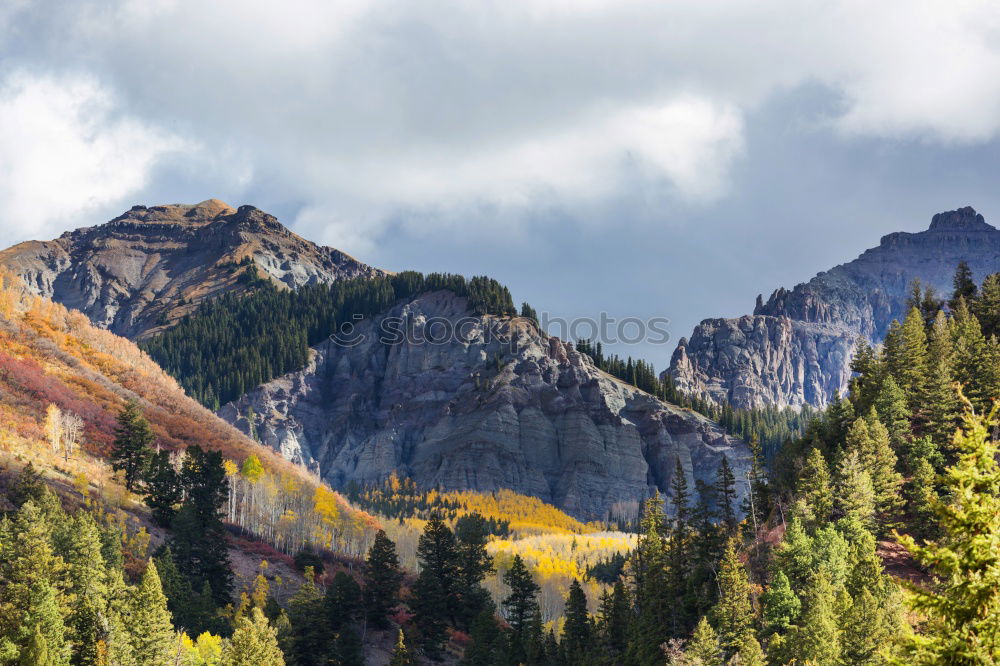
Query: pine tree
654, 607
893, 412
347, 649
818, 639
310, 639
815, 499
342, 601
964, 286
749, 652
866, 632
487, 642
148, 621
474, 563
254, 643
942, 408
36, 652
780, 604
855, 492
725, 484
703, 648
614, 618
522, 601
401, 654
382, 580
578, 628
986, 306
910, 370
434, 597
86, 573
962, 611
162, 488
133, 437
733, 613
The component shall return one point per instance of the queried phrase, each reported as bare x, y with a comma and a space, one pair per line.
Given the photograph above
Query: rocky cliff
796, 347
498, 405
150, 266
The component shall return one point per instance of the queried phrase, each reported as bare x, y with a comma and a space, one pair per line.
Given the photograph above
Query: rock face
499, 405
796, 348
149, 266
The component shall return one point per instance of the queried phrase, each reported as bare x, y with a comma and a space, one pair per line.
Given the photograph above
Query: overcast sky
668, 159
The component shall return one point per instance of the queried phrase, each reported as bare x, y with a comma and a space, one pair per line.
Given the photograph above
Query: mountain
795, 349
493, 404
150, 266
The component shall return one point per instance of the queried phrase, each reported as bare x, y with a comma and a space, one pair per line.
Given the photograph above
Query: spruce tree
986, 306
781, 606
434, 594
654, 607
964, 286
310, 639
474, 563
814, 496
522, 601
818, 639
703, 648
162, 488
382, 580
894, 413
855, 492
578, 628
733, 613
962, 611
130, 451
401, 654
254, 643
342, 601
725, 483
147, 620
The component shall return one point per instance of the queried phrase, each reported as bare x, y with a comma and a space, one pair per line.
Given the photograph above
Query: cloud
64, 151
365, 115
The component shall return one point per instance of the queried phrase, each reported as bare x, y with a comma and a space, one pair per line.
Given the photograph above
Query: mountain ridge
796, 347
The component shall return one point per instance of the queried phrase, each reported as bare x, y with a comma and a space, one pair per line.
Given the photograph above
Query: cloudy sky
668, 159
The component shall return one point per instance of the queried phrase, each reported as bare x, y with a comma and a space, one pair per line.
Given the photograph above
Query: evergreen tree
855, 493
818, 639
866, 634
147, 620
613, 619
725, 484
733, 613
162, 488
578, 629
401, 654
942, 407
703, 649
342, 601
780, 604
434, 595
382, 580
133, 437
653, 606
487, 640
347, 649
522, 601
962, 610
910, 369
254, 643
815, 499
964, 286
474, 563
893, 412
986, 306
309, 640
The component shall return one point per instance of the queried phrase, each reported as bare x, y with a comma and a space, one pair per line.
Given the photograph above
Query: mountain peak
963, 219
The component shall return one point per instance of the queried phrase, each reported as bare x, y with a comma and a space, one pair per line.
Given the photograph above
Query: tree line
238, 341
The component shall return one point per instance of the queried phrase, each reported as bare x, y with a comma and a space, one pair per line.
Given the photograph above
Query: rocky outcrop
796, 347
496, 405
150, 266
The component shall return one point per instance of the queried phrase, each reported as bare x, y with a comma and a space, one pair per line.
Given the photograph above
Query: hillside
53, 356
796, 347
150, 266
